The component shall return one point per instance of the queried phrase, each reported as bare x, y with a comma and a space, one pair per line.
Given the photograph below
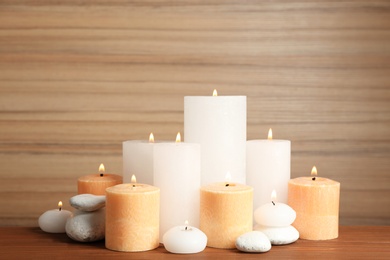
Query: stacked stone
88, 221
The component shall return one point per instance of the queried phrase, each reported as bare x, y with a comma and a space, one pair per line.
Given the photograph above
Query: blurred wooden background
79, 77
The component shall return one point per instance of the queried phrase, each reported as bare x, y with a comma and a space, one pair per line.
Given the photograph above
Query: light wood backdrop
79, 77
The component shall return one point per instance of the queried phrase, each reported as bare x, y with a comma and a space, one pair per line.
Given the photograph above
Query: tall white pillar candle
177, 174
218, 124
268, 168
138, 160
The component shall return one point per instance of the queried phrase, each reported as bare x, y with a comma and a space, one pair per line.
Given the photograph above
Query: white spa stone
279, 235
87, 226
88, 202
54, 221
253, 242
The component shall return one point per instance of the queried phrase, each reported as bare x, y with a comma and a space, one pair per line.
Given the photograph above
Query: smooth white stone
278, 215
87, 226
253, 242
88, 202
279, 235
178, 240
54, 221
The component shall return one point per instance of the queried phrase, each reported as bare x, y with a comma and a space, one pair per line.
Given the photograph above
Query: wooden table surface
354, 242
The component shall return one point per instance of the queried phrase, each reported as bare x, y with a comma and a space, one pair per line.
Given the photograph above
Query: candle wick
227, 185
186, 228
273, 203
133, 185
101, 175
314, 178
59, 209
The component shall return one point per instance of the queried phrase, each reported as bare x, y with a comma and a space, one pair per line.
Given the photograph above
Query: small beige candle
97, 183
132, 217
316, 202
226, 212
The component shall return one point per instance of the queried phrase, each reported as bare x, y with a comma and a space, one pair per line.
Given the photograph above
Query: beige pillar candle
316, 202
226, 212
97, 183
132, 217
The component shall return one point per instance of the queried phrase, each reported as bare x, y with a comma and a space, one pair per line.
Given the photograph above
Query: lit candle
177, 174
268, 167
96, 184
274, 220
184, 240
132, 217
138, 160
54, 221
316, 202
226, 211
218, 123
274, 214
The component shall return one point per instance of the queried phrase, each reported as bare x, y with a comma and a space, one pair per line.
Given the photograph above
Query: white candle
268, 167
218, 123
274, 214
138, 160
54, 221
184, 240
177, 174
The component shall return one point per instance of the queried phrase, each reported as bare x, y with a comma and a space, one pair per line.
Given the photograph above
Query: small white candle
268, 167
184, 240
54, 221
274, 214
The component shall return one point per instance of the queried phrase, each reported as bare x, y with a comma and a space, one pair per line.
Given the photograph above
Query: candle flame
186, 222
101, 168
228, 177
273, 195
270, 134
59, 205
151, 138
314, 171
215, 93
178, 137
133, 179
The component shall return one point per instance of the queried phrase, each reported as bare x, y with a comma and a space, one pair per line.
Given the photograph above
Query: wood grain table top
354, 242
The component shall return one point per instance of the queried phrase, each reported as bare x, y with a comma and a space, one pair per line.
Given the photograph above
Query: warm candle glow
178, 138
133, 179
314, 171
215, 93
186, 222
270, 134
59, 205
273, 195
101, 168
228, 178
151, 138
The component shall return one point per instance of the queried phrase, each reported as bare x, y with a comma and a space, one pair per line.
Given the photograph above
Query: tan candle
132, 217
226, 212
97, 183
316, 202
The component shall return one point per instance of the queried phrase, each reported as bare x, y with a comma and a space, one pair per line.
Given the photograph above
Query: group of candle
215, 180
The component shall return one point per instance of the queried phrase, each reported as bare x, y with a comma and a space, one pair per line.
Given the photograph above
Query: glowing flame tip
215, 93
270, 134
101, 168
273, 195
133, 179
178, 138
314, 171
151, 138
